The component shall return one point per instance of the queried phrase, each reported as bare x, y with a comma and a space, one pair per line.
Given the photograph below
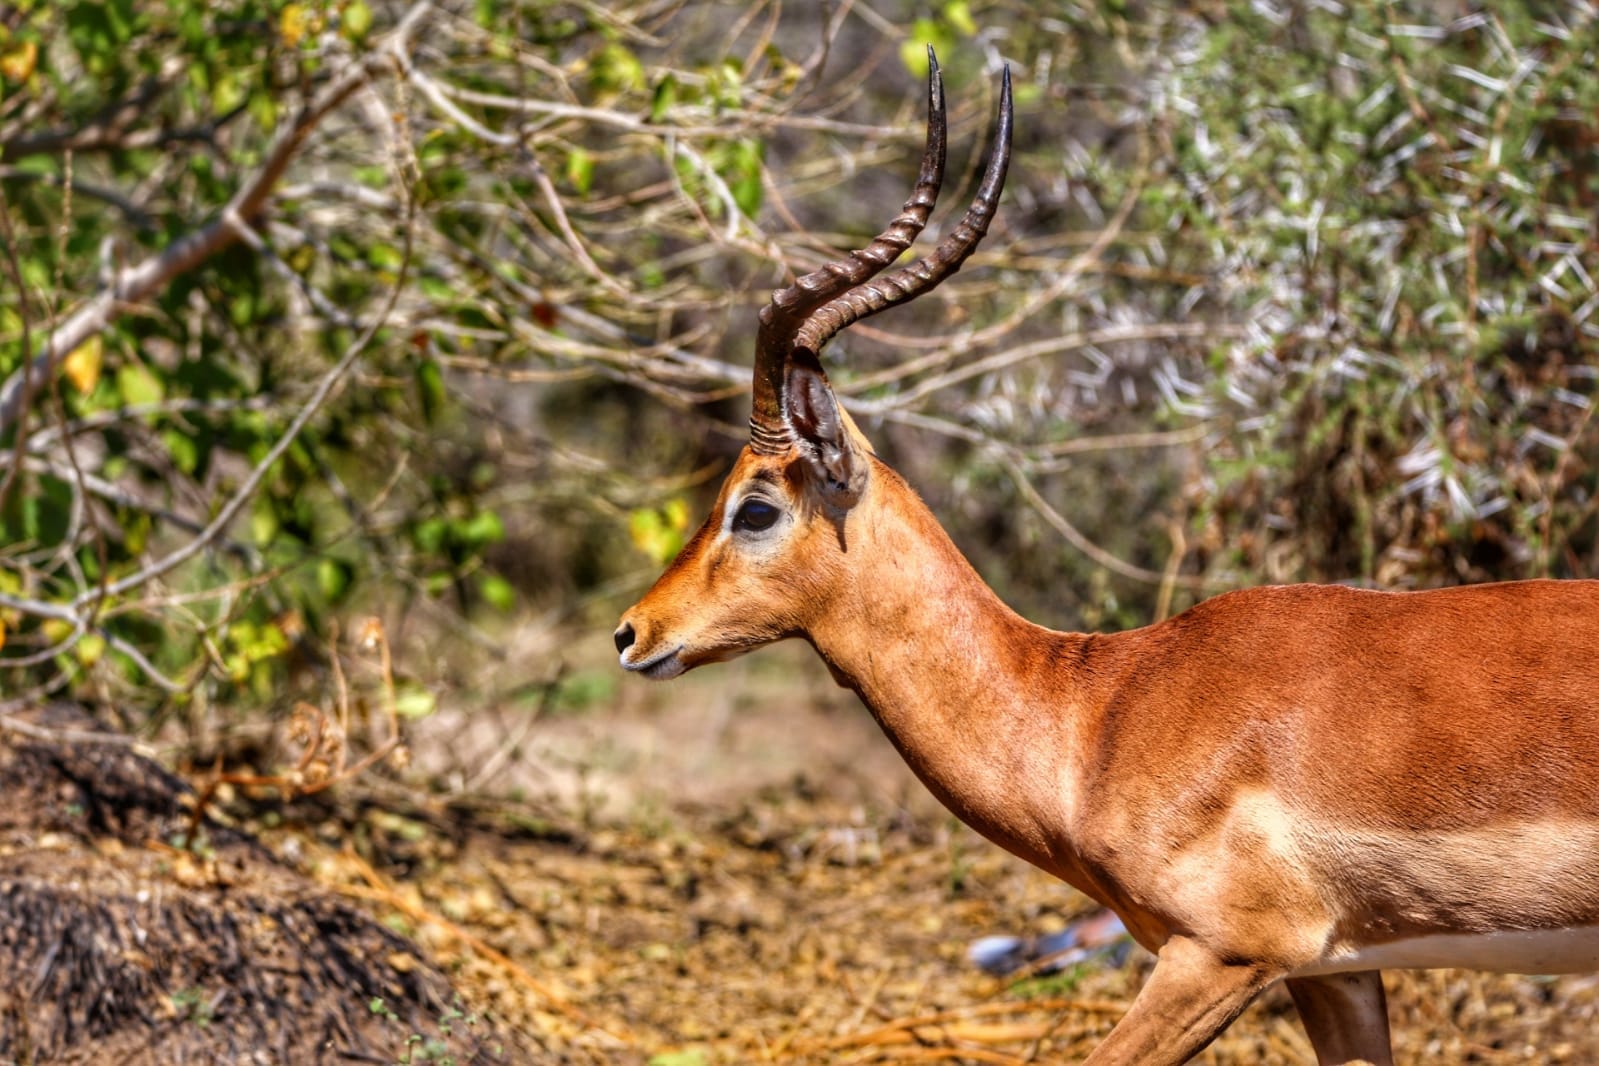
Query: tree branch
154, 273
1075, 538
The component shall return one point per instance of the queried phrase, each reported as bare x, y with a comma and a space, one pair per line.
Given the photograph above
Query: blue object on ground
1101, 935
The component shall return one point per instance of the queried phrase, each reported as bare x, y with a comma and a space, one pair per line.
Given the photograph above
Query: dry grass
796, 929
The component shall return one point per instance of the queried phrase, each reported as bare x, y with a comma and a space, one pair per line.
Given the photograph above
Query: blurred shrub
1404, 205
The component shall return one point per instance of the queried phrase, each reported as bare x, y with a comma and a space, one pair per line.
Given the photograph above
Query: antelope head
777, 545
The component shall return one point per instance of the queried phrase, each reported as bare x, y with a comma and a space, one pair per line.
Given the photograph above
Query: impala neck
982, 704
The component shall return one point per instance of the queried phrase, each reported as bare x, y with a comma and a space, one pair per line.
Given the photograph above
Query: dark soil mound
118, 945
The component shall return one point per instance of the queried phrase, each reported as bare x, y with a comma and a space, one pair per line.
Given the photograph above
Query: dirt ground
735, 868
793, 929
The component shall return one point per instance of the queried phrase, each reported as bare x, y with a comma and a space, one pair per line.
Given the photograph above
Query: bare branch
1099, 555
13, 723
136, 215
1050, 346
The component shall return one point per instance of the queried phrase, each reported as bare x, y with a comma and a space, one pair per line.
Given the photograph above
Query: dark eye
755, 515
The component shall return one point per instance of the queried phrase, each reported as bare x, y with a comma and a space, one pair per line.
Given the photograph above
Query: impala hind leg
1191, 996
1346, 1017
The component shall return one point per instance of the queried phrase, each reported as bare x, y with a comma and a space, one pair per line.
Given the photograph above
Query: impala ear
822, 431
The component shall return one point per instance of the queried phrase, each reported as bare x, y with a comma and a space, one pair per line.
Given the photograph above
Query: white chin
664, 669
661, 668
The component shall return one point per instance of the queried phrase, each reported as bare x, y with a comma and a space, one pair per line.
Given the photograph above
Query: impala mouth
661, 667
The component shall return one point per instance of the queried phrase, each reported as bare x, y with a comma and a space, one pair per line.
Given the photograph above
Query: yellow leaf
82, 364
958, 13
644, 527
91, 648
293, 23
17, 64
2, 632
356, 20
676, 513
658, 533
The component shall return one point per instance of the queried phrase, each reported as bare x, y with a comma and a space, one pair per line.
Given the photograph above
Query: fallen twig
956, 1024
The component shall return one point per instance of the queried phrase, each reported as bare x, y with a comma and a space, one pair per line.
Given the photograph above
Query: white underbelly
1540, 951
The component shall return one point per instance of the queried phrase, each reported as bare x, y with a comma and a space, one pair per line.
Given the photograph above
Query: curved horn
790, 306
926, 273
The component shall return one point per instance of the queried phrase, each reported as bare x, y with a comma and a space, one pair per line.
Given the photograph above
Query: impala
1302, 783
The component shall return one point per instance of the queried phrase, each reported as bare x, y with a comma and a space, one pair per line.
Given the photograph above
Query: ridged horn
926, 273
782, 318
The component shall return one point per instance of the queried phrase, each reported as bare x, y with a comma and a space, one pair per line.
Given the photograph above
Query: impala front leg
1191, 996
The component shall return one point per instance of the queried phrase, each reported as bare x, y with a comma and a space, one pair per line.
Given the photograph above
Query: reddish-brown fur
1264, 787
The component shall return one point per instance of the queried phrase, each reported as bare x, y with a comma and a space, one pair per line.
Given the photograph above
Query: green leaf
138, 386
226, 94
580, 170
269, 642
958, 13
333, 579
726, 84
430, 389
136, 533
263, 523
429, 534
746, 186
740, 166
413, 701
665, 97
913, 50
615, 69
182, 449
385, 257
496, 591
263, 107
482, 529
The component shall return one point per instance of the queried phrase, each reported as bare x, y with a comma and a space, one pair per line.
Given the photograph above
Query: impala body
1301, 783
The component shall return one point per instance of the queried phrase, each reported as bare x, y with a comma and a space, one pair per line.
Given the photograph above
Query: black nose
624, 637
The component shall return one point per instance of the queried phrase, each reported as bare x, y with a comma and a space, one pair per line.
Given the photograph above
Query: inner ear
837, 468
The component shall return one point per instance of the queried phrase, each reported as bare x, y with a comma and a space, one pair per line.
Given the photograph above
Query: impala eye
755, 515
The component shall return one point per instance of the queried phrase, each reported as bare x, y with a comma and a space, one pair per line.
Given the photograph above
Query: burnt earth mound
117, 944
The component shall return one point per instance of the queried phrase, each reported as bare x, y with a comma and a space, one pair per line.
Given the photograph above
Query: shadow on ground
119, 945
